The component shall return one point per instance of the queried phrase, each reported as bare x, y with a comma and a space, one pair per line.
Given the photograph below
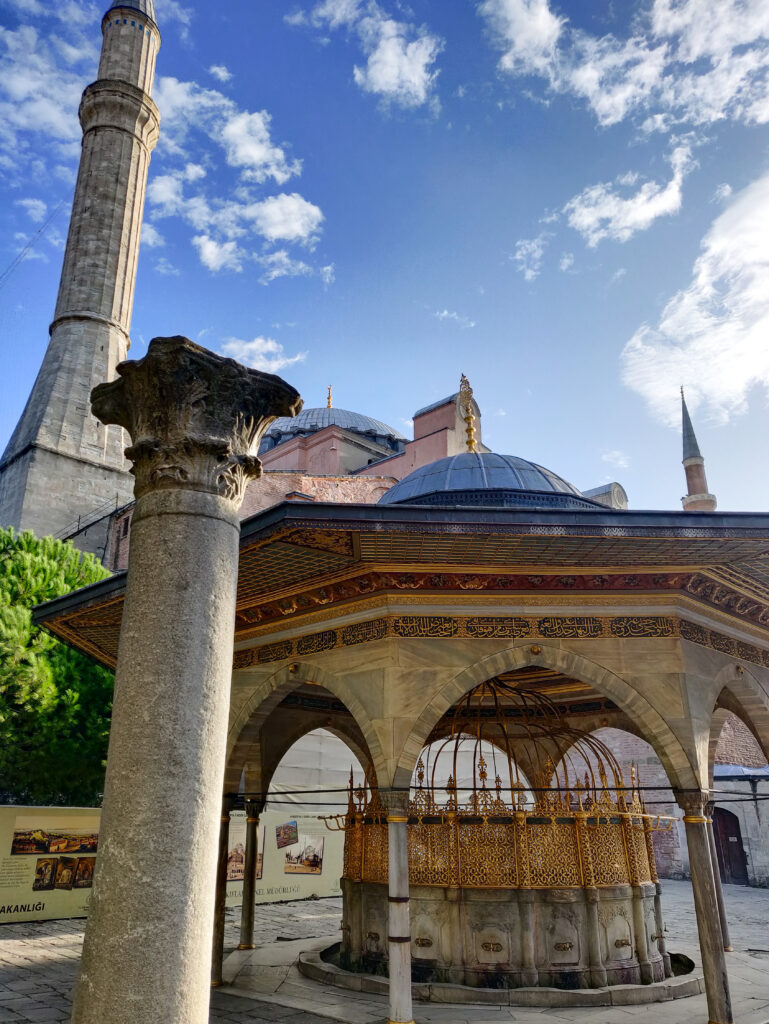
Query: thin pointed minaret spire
697, 497
62, 467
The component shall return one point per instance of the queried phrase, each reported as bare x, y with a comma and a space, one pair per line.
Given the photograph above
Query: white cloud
398, 68
686, 61
36, 209
247, 144
527, 31
172, 10
260, 353
600, 211
220, 72
400, 56
566, 261
336, 13
529, 253
447, 314
616, 458
218, 255
151, 237
712, 335
722, 193
280, 264
287, 218
328, 274
166, 267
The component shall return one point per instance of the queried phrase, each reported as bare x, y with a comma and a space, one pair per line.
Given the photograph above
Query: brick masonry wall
736, 745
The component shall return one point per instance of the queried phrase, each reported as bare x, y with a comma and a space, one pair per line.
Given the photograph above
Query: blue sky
568, 202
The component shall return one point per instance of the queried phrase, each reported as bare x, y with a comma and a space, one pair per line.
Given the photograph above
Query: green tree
55, 703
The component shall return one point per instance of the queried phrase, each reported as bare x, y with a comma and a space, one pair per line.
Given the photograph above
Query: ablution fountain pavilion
483, 605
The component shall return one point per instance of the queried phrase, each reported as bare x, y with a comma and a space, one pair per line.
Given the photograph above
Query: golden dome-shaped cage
546, 806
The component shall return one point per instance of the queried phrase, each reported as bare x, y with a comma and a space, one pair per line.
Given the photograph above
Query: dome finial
328, 400
466, 399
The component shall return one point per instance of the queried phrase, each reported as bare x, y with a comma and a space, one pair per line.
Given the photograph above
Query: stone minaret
61, 463
697, 497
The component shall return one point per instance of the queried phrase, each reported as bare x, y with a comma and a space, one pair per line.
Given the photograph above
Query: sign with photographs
47, 860
295, 859
286, 834
305, 857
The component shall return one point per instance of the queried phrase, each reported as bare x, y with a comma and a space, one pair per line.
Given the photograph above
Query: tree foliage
55, 703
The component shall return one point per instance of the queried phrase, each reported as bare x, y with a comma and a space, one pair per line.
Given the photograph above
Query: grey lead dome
489, 480
310, 421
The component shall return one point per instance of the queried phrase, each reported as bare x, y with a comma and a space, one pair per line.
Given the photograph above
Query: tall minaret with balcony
697, 497
61, 463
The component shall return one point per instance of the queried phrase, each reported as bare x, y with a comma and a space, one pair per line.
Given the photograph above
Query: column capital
195, 418
694, 805
396, 803
254, 808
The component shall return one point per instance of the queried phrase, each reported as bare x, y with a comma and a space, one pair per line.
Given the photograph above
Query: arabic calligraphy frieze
275, 652
362, 632
433, 626
573, 627
642, 625
496, 627
500, 627
718, 642
316, 642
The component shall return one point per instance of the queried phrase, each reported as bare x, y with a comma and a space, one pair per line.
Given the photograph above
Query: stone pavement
38, 963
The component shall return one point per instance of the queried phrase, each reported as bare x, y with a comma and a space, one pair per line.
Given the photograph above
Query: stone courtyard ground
38, 964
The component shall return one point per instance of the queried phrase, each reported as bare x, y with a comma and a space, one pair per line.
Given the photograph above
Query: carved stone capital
396, 803
693, 804
195, 418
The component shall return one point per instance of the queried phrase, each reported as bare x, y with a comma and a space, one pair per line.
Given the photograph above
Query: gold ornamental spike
466, 397
328, 400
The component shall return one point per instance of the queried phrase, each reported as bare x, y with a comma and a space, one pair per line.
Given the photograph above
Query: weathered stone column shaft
194, 419
249, 878
399, 926
708, 921
719, 888
220, 895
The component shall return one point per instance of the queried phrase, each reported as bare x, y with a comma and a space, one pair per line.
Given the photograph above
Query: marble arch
652, 726
246, 726
747, 697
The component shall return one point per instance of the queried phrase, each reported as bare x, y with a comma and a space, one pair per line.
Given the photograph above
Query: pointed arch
243, 738
747, 697
651, 725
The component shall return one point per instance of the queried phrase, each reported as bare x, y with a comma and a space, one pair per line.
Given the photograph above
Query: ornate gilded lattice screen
576, 825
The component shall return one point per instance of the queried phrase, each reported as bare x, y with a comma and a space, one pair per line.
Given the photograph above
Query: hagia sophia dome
486, 479
310, 421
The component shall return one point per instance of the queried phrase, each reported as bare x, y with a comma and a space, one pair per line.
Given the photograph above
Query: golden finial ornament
328, 400
466, 399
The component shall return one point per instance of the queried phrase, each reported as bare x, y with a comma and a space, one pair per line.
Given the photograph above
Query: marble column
195, 420
253, 810
220, 894
706, 909
717, 879
399, 929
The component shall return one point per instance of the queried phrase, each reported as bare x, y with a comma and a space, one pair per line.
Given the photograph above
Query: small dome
146, 7
310, 421
486, 479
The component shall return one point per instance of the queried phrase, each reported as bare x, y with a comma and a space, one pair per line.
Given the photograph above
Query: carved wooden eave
303, 563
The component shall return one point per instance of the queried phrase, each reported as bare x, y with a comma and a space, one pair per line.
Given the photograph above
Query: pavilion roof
295, 551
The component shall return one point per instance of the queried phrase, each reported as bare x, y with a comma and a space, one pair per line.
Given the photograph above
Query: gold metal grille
570, 828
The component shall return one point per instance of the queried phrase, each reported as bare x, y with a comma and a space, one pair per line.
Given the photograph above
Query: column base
245, 945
